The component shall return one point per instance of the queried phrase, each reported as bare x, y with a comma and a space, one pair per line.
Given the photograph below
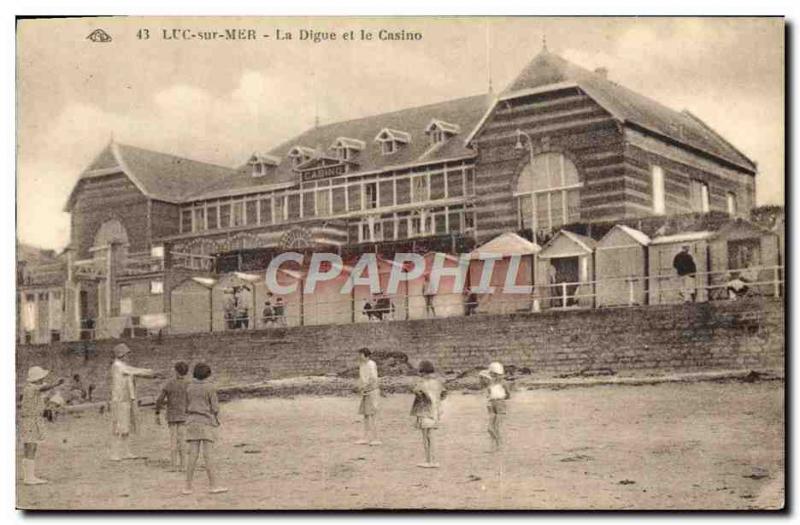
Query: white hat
496, 368
121, 350
58, 399
36, 373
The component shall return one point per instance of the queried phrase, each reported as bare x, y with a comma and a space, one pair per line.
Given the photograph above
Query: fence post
630, 291
563, 295
777, 282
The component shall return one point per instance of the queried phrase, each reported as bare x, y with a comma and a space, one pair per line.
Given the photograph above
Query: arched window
548, 193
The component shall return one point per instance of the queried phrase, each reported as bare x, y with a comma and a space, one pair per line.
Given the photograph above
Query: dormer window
391, 140
439, 131
301, 154
346, 148
261, 164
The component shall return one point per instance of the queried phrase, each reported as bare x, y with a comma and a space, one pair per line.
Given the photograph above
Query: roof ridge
172, 155
388, 113
716, 134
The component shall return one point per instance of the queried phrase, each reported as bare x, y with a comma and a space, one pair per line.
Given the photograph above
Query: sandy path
705, 445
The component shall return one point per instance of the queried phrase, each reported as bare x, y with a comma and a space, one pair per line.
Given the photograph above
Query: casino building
560, 147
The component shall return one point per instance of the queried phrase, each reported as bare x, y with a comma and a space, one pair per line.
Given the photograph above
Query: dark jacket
684, 264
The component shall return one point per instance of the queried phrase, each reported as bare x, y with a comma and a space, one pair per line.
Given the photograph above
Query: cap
37, 373
496, 368
121, 350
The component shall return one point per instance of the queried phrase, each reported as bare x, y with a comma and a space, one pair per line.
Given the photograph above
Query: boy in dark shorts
202, 420
173, 394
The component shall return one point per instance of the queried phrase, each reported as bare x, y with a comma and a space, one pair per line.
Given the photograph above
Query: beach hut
664, 286
327, 304
621, 267
190, 306
566, 264
503, 248
743, 250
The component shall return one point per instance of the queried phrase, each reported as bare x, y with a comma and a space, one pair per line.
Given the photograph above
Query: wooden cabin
503, 248
741, 249
664, 283
621, 267
566, 264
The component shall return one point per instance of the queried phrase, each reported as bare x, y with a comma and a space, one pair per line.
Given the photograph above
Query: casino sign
322, 168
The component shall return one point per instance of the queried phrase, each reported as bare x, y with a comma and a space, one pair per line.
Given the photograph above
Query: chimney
602, 71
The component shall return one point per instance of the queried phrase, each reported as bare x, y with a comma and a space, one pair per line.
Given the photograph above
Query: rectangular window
525, 211
733, 207
454, 221
744, 253
156, 287
659, 202
455, 183
403, 190
237, 214
469, 175
225, 216
199, 219
370, 195
439, 220
251, 216
293, 206
309, 204
699, 196
354, 197
437, 186
279, 203
186, 221
125, 301
388, 227
213, 217
387, 193
419, 188
324, 202
402, 227
266, 211
339, 204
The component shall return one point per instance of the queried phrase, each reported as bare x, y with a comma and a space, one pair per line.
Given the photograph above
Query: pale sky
218, 101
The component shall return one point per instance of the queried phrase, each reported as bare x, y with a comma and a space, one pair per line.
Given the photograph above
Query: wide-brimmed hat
121, 350
496, 368
37, 373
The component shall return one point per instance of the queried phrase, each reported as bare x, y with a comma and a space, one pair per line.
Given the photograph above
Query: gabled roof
159, 176
585, 244
682, 237
464, 112
453, 129
393, 134
505, 245
345, 142
628, 107
633, 233
262, 158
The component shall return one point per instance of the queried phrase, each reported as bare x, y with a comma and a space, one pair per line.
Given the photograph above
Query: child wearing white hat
492, 380
123, 402
33, 421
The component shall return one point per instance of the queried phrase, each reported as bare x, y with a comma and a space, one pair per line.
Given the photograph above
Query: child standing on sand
33, 421
497, 392
427, 408
173, 395
369, 389
202, 410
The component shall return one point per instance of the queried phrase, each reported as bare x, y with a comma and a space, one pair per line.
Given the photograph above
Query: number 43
143, 34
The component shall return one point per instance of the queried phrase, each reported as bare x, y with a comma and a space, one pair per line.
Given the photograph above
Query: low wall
709, 336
